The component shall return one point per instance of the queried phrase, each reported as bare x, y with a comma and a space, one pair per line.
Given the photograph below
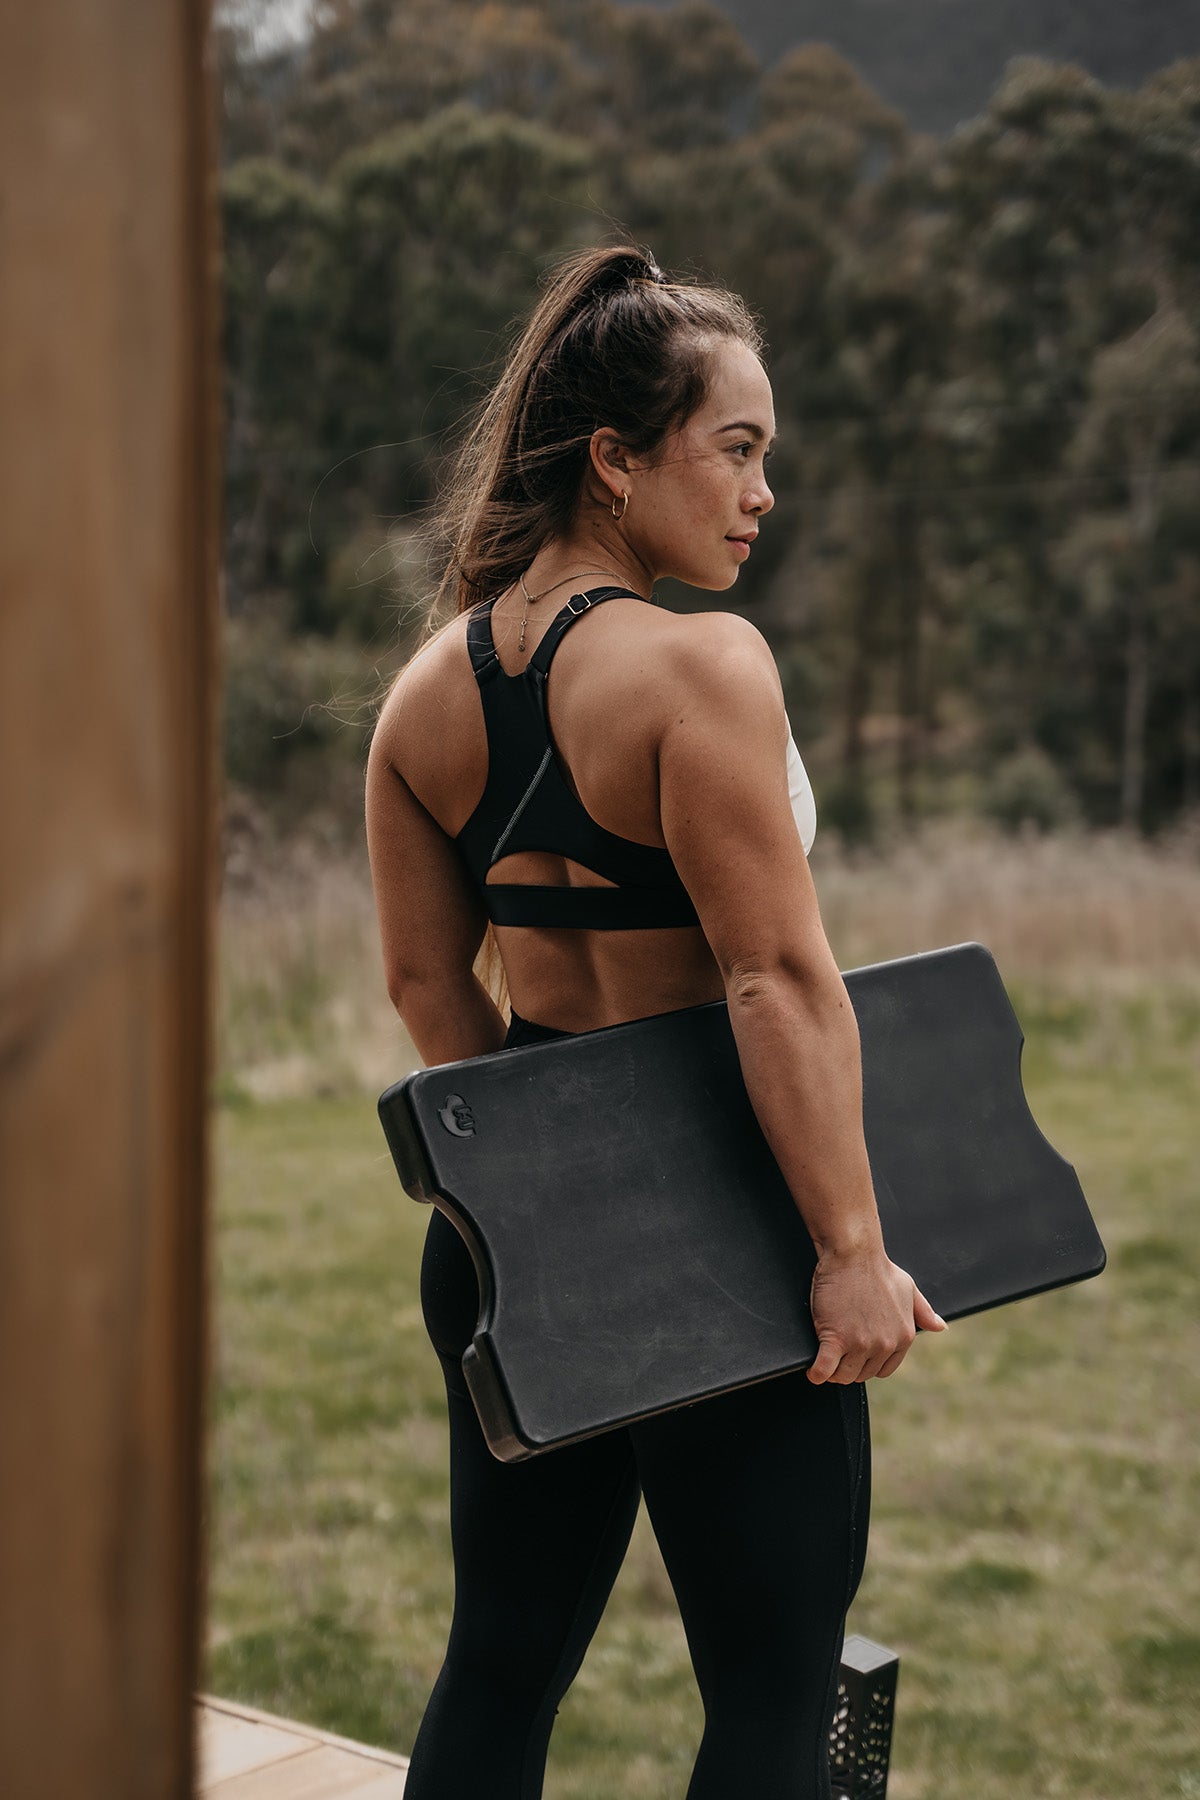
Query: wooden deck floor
250, 1755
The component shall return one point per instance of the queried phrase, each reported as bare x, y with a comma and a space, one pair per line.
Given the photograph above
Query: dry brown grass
1103, 917
1097, 909
302, 1007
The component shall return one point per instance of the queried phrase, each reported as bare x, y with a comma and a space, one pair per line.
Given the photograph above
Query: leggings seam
854, 1466
568, 1634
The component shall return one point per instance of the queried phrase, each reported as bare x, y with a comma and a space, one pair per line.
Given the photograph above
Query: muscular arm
431, 921
729, 826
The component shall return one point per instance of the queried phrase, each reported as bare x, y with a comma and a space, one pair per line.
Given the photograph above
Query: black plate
635, 1244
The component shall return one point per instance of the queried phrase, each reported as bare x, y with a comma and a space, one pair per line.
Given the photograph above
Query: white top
804, 806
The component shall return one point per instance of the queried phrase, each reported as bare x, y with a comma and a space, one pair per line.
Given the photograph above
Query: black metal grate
860, 1738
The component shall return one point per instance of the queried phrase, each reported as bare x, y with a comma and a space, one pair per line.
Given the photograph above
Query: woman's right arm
729, 826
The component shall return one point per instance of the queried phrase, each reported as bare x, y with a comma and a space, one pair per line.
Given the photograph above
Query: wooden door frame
108, 867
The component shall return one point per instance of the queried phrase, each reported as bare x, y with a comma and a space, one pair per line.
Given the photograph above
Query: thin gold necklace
532, 599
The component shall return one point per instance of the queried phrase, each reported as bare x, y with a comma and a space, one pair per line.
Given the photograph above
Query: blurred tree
1065, 245
873, 432
1145, 391
982, 350
275, 326
676, 80
440, 228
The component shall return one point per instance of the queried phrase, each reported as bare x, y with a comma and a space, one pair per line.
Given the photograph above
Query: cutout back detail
527, 804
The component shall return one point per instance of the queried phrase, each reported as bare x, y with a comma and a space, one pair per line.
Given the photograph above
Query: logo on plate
457, 1116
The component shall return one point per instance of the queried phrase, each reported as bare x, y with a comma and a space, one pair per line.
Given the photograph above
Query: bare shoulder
719, 658
418, 689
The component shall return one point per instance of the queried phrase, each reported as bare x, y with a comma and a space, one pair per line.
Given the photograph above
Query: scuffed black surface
635, 1242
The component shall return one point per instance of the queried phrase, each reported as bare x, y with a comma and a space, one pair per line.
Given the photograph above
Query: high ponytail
611, 342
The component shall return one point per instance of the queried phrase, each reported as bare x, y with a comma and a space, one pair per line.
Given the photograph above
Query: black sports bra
527, 805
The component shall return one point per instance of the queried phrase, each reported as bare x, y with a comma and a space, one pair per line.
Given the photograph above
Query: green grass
1035, 1471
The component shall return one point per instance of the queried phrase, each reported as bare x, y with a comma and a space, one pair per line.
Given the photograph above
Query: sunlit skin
671, 729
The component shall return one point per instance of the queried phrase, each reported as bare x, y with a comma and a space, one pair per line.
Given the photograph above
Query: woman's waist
543, 1021
528, 1031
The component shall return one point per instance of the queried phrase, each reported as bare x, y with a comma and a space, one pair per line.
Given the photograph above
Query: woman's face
694, 507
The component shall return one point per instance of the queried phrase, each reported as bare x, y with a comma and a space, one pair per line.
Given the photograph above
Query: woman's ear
612, 461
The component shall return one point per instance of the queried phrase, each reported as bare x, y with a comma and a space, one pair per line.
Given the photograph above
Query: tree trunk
1144, 518
1137, 692
859, 679
1190, 794
906, 577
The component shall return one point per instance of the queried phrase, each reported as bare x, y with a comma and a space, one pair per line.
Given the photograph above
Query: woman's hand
866, 1312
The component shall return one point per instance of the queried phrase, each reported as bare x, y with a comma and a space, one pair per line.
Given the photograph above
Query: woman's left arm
431, 921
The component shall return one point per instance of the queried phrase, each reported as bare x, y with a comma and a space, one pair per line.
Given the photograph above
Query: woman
626, 831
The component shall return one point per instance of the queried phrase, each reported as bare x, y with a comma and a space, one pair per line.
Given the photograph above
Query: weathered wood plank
107, 634
318, 1773
231, 1746
236, 1764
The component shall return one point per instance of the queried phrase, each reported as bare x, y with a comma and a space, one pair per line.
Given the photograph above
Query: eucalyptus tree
277, 346
1144, 397
1064, 205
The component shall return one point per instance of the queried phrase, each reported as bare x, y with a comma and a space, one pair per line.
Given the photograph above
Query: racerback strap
523, 775
575, 608
481, 645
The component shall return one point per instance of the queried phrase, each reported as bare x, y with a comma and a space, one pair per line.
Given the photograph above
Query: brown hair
611, 342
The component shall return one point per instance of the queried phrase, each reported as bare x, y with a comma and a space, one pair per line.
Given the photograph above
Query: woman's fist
866, 1312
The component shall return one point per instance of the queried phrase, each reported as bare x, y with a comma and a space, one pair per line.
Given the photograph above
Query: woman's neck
594, 552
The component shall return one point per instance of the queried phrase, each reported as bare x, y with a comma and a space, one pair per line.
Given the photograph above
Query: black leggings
760, 1501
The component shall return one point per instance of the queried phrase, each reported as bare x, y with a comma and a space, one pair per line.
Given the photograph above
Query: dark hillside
938, 60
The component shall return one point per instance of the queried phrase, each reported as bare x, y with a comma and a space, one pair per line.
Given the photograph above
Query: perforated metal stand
860, 1738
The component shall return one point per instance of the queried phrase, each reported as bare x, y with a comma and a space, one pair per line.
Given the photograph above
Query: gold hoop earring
624, 505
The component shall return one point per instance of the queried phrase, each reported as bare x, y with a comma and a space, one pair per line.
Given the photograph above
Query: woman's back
614, 676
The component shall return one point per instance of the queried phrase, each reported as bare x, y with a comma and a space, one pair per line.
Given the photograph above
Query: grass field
1032, 1554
